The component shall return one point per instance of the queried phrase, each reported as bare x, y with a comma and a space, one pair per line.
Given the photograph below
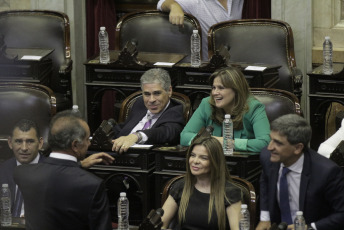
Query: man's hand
176, 15
263, 225
122, 144
97, 158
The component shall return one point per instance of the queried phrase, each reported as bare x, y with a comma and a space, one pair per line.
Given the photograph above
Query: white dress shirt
208, 13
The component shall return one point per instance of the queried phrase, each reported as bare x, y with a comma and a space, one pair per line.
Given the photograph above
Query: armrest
66, 67
297, 82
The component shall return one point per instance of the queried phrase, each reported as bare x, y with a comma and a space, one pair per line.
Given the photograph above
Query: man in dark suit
58, 194
25, 141
311, 183
155, 118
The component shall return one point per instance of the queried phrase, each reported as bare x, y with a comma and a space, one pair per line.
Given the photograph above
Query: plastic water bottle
299, 222
6, 216
244, 223
195, 49
76, 111
123, 212
104, 56
327, 56
227, 129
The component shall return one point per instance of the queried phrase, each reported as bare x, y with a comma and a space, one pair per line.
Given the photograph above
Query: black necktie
18, 204
284, 197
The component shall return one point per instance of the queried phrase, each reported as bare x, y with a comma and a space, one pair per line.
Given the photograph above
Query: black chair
151, 31
43, 29
277, 102
24, 100
263, 41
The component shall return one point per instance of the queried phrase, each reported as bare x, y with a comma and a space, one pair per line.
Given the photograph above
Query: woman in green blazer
230, 94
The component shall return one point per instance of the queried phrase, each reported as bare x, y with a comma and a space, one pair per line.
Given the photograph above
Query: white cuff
264, 215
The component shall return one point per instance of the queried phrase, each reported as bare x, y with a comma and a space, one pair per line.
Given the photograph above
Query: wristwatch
139, 137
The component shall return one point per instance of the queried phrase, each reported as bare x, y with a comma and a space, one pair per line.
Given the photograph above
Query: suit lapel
305, 177
273, 189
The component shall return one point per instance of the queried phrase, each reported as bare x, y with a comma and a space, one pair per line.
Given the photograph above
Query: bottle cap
122, 194
227, 116
195, 31
75, 107
327, 38
5, 185
244, 206
102, 28
299, 213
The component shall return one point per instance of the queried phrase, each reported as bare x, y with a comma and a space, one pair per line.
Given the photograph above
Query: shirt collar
63, 156
34, 161
297, 166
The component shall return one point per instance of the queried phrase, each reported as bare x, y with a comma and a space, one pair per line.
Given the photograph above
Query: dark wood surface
324, 90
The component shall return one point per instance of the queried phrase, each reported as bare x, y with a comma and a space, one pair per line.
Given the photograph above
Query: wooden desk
26, 70
324, 90
17, 224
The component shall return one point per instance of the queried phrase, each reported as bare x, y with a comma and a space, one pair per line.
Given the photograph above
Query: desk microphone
153, 220
281, 226
205, 132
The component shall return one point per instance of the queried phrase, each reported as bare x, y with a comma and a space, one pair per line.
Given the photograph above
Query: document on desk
139, 146
164, 64
31, 57
255, 68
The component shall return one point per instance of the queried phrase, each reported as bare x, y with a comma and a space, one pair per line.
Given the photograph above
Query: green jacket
252, 138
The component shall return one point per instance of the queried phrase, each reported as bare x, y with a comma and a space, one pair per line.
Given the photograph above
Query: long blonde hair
233, 78
219, 174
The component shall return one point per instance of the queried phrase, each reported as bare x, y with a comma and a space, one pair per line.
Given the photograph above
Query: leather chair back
151, 31
42, 29
24, 100
249, 196
128, 103
264, 41
277, 102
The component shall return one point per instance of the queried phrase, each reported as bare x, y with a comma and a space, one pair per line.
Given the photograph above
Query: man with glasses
155, 118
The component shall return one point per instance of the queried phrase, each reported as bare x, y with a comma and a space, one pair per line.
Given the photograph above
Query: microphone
205, 132
153, 220
112, 122
282, 226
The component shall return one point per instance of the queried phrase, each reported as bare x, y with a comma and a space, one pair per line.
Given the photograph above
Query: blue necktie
18, 204
284, 197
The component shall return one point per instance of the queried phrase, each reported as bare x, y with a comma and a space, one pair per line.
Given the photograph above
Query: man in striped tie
296, 178
155, 118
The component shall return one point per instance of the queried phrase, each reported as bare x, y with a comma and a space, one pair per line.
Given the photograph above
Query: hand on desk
122, 144
97, 158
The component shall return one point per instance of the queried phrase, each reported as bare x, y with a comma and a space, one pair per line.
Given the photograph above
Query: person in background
205, 198
155, 118
328, 146
25, 141
58, 194
296, 178
230, 94
207, 13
